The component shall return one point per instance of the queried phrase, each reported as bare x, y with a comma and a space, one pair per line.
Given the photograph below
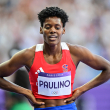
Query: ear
64, 30
41, 31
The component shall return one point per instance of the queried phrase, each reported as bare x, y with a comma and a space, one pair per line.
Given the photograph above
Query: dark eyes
57, 28
47, 27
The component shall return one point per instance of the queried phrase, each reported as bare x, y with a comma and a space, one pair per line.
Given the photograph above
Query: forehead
53, 20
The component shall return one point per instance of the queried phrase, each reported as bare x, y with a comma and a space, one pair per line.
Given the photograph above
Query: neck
52, 49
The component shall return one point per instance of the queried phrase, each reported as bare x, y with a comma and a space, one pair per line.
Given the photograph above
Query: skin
52, 31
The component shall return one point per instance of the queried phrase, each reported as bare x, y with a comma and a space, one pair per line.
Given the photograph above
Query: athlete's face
52, 30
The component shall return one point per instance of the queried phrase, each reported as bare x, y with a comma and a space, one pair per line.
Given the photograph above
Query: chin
52, 43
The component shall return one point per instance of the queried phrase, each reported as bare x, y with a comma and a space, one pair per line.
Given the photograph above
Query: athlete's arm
9, 67
94, 61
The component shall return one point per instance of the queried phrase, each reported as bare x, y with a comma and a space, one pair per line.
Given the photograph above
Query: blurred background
89, 26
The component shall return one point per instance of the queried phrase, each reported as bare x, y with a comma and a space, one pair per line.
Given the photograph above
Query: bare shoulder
24, 55
85, 56
80, 51
75, 49
21, 58
29, 52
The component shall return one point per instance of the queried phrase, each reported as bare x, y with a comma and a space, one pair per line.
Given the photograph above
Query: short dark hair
52, 12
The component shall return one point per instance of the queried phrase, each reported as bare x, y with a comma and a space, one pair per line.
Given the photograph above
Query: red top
40, 66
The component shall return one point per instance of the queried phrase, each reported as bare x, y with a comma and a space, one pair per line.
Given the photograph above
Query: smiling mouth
52, 38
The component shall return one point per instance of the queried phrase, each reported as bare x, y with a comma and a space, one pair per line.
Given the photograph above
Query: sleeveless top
52, 81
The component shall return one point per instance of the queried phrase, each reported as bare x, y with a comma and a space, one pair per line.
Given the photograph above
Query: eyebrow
50, 24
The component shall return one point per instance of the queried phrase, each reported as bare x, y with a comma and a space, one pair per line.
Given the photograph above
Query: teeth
52, 36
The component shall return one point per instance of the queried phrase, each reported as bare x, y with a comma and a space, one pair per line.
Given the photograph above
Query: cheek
61, 33
45, 32
45, 36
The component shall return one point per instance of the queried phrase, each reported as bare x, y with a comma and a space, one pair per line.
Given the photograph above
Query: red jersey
52, 81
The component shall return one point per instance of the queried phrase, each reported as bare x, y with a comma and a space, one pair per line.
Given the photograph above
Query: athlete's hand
32, 99
75, 94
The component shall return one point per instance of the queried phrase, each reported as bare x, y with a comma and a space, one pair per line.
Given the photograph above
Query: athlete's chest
50, 59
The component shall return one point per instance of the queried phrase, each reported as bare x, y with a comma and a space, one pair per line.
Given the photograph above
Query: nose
52, 30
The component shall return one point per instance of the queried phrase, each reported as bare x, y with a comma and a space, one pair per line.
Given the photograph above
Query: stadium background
89, 26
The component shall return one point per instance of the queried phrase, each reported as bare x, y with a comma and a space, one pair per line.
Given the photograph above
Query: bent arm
9, 67
96, 62
9, 86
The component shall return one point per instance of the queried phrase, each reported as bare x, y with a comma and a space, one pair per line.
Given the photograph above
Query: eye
47, 27
57, 28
